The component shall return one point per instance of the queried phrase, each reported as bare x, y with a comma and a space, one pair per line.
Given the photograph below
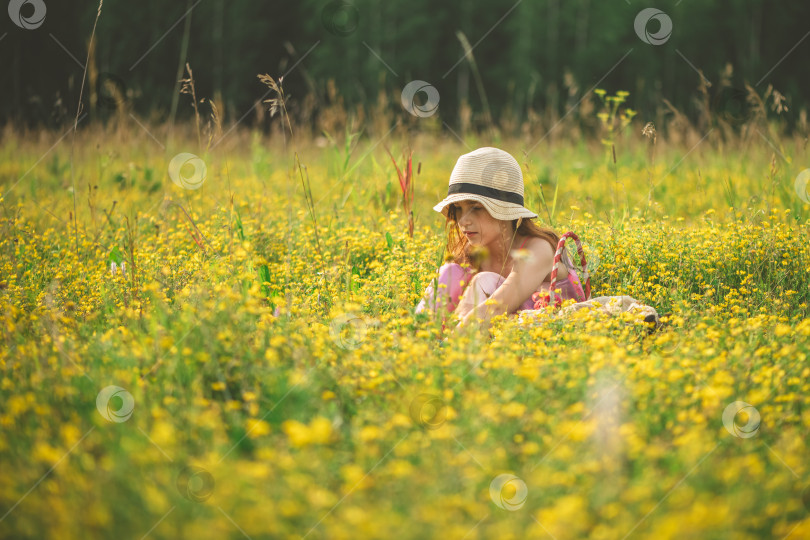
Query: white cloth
610, 305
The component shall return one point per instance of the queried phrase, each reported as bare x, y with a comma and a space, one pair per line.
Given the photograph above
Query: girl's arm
524, 279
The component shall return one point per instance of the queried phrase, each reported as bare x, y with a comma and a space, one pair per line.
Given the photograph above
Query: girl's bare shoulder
538, 246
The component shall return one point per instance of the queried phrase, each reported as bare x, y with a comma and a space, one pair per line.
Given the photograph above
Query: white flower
114, 268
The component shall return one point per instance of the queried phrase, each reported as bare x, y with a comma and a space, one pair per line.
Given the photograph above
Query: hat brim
497, 209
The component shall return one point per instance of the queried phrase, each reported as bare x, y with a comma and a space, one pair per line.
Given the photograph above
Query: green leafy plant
264, 278
116, 256
549, 213
348, 147
239, 229
612, 119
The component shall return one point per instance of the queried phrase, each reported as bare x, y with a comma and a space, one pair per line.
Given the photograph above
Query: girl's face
476, 223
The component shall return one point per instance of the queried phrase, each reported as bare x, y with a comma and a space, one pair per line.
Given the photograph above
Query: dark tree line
542, 54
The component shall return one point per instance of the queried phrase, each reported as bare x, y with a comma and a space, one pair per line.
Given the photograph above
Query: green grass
232, 349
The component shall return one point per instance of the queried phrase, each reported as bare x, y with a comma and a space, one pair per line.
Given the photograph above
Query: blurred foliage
531, 55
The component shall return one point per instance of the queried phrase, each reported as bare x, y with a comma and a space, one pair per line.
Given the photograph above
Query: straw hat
493, 178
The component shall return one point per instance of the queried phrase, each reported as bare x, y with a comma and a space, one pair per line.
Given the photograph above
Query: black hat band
492, 193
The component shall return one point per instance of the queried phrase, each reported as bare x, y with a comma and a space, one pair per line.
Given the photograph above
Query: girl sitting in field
499, 257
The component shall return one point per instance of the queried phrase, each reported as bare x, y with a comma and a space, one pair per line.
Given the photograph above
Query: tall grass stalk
76, 127
649, 132
279, 104
478, 81
406, 185
189, 88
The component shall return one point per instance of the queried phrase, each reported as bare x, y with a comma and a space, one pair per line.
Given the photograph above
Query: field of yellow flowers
227, 348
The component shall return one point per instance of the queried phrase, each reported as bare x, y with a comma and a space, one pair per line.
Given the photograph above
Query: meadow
240, 358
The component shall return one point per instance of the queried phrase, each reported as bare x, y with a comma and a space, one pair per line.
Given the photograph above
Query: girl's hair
459, 247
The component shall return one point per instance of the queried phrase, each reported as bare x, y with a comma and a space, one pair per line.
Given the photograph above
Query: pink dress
452, 274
